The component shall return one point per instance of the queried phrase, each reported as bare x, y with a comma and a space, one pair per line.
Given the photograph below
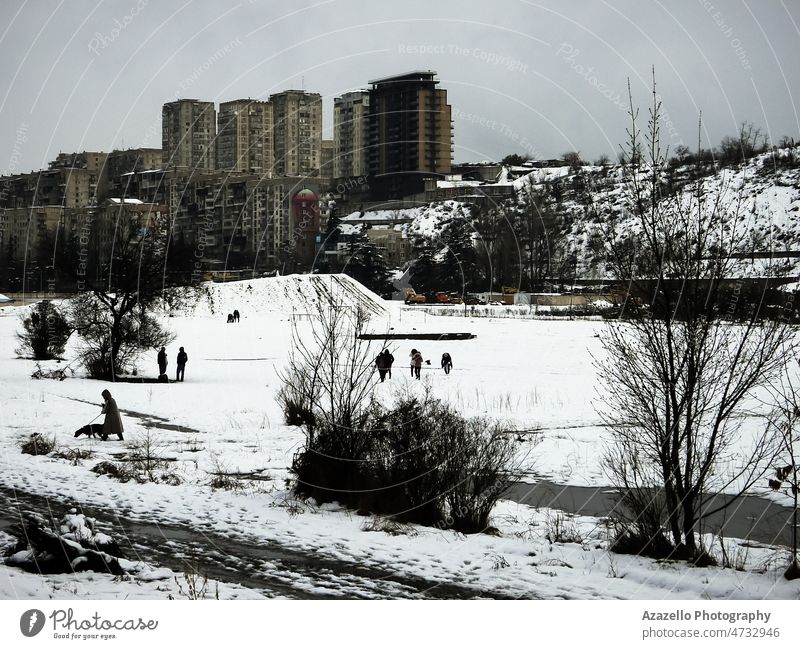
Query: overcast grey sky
535, 77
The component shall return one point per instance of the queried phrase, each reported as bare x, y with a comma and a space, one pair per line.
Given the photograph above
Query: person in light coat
416, 363
112, 424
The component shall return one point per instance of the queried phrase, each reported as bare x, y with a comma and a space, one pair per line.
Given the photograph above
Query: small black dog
93, 430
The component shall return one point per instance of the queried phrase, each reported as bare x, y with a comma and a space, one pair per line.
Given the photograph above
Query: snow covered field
224, 417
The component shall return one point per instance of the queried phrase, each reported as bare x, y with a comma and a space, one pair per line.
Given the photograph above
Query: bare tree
677, 371
603, 160
327, 390
113, 315
542, 230
749, 141
573, 159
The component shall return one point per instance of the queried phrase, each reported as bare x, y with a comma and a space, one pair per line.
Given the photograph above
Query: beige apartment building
351, 134
297, 119
188, 134
245, 137
327, 157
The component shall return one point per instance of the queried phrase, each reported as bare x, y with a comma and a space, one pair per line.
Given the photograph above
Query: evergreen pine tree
458, 270
425, 270
366, 264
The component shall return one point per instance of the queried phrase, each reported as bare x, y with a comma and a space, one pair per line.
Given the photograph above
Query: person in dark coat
162, 361
182, 358
389, 361
230, 318
112, 424
236, 315
447, 363
381, 364
416, 363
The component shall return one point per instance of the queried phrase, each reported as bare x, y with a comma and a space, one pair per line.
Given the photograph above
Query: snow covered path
272, 569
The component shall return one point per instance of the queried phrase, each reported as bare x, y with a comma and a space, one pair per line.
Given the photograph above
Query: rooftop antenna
302, 83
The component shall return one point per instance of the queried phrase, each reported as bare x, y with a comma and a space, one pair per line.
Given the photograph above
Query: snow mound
291, 294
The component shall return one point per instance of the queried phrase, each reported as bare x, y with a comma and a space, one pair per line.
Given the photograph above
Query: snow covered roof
458, 183
143, 171
350, 228
126, 201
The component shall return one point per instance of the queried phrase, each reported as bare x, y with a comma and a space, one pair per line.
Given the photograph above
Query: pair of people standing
162, 363
384, 362
416, 363
417, 360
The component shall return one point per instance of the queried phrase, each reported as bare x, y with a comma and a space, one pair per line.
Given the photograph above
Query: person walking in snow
389, 361
380, 363
447, 363
162, 361
182, 358
236, 315
416, 363
112, 424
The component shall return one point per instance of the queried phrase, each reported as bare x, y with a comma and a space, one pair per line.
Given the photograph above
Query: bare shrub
417, 461
73, 455
327, 391
194, 585
116, 470
388, 526
560, 528
38, 444
145, 462
481, 468
498, 561
222, 477
57, 373
734, 555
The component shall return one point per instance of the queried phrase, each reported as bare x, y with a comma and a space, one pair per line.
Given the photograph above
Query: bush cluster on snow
44, 334
417, 460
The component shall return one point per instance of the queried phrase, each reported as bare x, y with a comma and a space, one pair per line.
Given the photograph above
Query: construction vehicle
412, 297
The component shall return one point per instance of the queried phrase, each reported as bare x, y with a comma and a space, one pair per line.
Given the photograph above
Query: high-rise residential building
351, 134
411, 133
188, 134
297, 119
326, 159
245, 136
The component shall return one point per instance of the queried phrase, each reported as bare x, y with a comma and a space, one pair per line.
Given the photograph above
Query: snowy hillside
288, 295
759, 202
